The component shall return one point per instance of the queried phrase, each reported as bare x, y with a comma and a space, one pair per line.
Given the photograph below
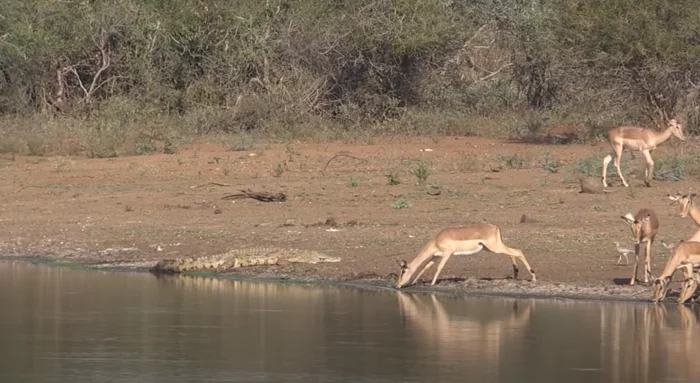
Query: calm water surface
61, 325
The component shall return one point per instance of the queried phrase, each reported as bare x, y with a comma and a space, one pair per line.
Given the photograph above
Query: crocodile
241, 258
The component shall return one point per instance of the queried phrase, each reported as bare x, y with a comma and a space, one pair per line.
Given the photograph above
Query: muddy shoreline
455, 287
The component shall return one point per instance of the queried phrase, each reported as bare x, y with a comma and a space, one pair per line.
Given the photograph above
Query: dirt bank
361, 202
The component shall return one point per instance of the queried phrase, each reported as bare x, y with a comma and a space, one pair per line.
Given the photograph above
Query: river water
66, 325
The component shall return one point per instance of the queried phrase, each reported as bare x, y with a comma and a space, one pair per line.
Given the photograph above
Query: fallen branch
494, 73
342, 154
209, 183
260, 196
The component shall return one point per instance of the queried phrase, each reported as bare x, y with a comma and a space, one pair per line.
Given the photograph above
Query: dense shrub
310, 67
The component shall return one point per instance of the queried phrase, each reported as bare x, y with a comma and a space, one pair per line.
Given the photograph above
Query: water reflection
59, 325
465, 333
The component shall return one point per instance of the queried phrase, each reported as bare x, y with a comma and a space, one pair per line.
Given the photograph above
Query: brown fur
590, 185
467, 240
636, 138
685, 255
645, 225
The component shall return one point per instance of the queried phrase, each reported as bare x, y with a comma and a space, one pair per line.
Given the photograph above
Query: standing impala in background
642, 139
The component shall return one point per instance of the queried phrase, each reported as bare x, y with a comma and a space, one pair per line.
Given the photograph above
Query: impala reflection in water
60, 325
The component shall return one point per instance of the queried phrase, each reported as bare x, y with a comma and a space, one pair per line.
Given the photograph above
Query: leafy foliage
283, 66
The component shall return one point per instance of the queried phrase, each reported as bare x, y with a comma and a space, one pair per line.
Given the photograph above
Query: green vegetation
550, 164
592, 166
510, 161
401, 202
105, 78
677, 167
392, 179
421, 172
354, 181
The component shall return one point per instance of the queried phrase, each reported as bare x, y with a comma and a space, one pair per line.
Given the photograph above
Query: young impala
642, 139
644, 227
465, 240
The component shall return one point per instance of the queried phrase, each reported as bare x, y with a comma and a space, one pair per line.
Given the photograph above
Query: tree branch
103, 46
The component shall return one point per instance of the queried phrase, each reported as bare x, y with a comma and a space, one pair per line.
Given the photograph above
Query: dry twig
260, 196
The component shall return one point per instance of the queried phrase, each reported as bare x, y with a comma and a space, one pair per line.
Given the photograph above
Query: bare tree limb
80, 82
495, 73
103, 46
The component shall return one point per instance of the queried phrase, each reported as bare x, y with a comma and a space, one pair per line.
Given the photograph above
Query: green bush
317, 68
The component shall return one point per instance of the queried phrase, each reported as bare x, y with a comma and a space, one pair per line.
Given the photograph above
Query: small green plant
671, 169
401, 203
510, 161
217, 159
591, 166
170, 146
544, 182
61, 164
147, 170
291, 152
354, 181
128, 208
421, 172
597, 208
549, 164
468, 162
243, 143
392, 179
146, 146
281, 168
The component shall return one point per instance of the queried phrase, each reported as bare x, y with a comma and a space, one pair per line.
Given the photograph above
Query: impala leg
647, 262
445, 256
689, 284
649, 172
618, 157
425, 268
513, 253
515, 267
606, 162
636, 265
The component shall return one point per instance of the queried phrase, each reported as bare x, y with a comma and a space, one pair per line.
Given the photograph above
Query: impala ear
628, 217
692, 196
674, 197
